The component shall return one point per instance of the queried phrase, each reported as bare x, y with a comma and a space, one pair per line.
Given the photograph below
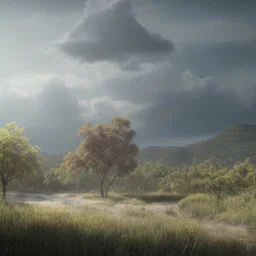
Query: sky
180, 70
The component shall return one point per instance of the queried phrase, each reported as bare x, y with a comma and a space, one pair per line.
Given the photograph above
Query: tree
17, 156
58, 178
107, 149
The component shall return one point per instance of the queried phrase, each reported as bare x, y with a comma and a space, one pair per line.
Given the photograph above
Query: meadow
32, 230
239, 209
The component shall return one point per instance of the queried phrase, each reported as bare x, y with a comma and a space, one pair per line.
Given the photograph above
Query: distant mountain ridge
236, 143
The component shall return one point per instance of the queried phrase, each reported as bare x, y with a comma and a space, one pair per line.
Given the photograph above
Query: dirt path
67, 201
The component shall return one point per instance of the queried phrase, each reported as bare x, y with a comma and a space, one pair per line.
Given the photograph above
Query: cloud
166, 107
195, 21
162, 79
205, 85
47, 6
201, 10
189, 113
103, 109
215, 58
32, 84
182, 106
242, 82
114, 34
52, 118
56, 104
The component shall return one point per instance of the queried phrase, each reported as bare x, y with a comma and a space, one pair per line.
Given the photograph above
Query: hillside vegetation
236, 143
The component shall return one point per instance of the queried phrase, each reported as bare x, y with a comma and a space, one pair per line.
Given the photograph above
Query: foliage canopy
17, 156
107, 149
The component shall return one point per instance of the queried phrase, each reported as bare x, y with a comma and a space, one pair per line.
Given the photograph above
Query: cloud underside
114, 34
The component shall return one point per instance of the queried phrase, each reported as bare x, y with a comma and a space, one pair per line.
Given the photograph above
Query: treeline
211, 176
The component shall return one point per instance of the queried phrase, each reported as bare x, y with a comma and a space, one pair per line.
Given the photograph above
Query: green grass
35, 231
240, 209
200, 205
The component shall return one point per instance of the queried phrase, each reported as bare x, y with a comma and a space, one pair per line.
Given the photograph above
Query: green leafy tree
107, 150
146, 177
58, 178
17, 156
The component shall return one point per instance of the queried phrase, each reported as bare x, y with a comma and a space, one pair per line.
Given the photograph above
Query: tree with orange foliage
107, 149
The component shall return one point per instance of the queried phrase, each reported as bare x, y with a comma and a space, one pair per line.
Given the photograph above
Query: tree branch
99, 176
112, 181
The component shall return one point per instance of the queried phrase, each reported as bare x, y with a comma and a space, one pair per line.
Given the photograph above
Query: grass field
239, 209
26, 230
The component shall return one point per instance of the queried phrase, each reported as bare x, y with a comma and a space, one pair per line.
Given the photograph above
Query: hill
167, 155
234, 144
237, 143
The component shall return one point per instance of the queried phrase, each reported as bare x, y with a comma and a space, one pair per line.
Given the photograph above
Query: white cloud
104, 107
32, 84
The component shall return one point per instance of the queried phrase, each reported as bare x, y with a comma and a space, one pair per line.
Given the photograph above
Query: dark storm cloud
203, 9
182, 105
115, 35
191, 113
208, 58
200, 21
198, 112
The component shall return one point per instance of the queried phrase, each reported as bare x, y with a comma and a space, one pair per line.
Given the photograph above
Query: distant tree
107, 149
17, 156
58, 178
147, 176
218, 184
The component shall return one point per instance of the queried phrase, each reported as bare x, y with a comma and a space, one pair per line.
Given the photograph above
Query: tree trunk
102, 189
4, 192
110, 184
102, 179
